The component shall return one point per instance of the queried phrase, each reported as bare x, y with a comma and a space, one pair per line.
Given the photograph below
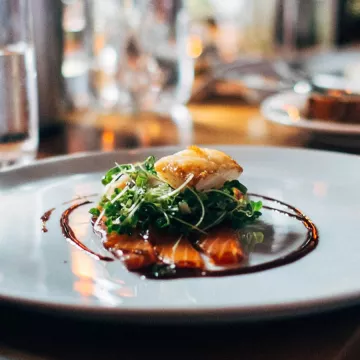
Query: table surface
212, 123
27, 334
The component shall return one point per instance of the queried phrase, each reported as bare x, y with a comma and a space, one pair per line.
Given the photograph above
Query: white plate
44, 270
286, 108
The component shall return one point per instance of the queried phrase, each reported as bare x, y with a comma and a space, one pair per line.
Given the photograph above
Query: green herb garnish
147, 201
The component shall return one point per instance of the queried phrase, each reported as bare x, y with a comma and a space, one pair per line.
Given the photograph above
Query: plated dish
289, 108
81, 274
185, 215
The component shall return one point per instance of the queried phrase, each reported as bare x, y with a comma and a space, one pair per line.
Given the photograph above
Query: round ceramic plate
44, 270
286, 108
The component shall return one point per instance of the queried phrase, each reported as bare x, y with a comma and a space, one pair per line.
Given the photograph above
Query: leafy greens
145, 200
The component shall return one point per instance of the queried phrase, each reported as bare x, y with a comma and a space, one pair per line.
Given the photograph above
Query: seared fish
208, 168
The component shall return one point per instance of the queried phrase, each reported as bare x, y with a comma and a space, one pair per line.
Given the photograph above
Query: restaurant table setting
121, 143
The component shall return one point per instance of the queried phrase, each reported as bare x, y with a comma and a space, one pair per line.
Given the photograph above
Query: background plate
286, 108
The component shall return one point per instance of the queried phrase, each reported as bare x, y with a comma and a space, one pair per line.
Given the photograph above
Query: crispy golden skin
210, 168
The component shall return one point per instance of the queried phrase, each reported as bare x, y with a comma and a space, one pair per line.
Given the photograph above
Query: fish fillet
210, 168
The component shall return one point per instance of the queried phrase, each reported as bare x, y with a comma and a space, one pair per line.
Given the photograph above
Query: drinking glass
144, 58
18, 91
261, 46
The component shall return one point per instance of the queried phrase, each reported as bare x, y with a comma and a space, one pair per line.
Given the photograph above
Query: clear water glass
18, 89
163, 34
144, 60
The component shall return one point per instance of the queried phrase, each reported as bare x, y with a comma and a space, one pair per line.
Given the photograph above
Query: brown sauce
45, 218
310, 243
160, 270
70, 235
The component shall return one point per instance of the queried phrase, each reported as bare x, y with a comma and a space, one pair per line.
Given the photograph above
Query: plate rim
183, 314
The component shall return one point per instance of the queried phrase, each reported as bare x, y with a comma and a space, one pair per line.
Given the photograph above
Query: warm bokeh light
227, 41
194, 46
108, 140
293, 112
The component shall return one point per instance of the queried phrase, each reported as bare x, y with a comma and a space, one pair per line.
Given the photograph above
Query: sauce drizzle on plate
171, 271
45, 218
70, 235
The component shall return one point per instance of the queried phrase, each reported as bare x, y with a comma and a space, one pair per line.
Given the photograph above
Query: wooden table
26, 334
209, 123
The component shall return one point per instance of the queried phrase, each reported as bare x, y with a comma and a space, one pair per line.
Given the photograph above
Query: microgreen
146, 201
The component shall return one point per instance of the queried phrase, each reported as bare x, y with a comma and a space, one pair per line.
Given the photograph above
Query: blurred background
128, 73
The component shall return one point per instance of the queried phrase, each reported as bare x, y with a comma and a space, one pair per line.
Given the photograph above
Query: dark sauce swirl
45, 218
161, 271
70, 235
310, 243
